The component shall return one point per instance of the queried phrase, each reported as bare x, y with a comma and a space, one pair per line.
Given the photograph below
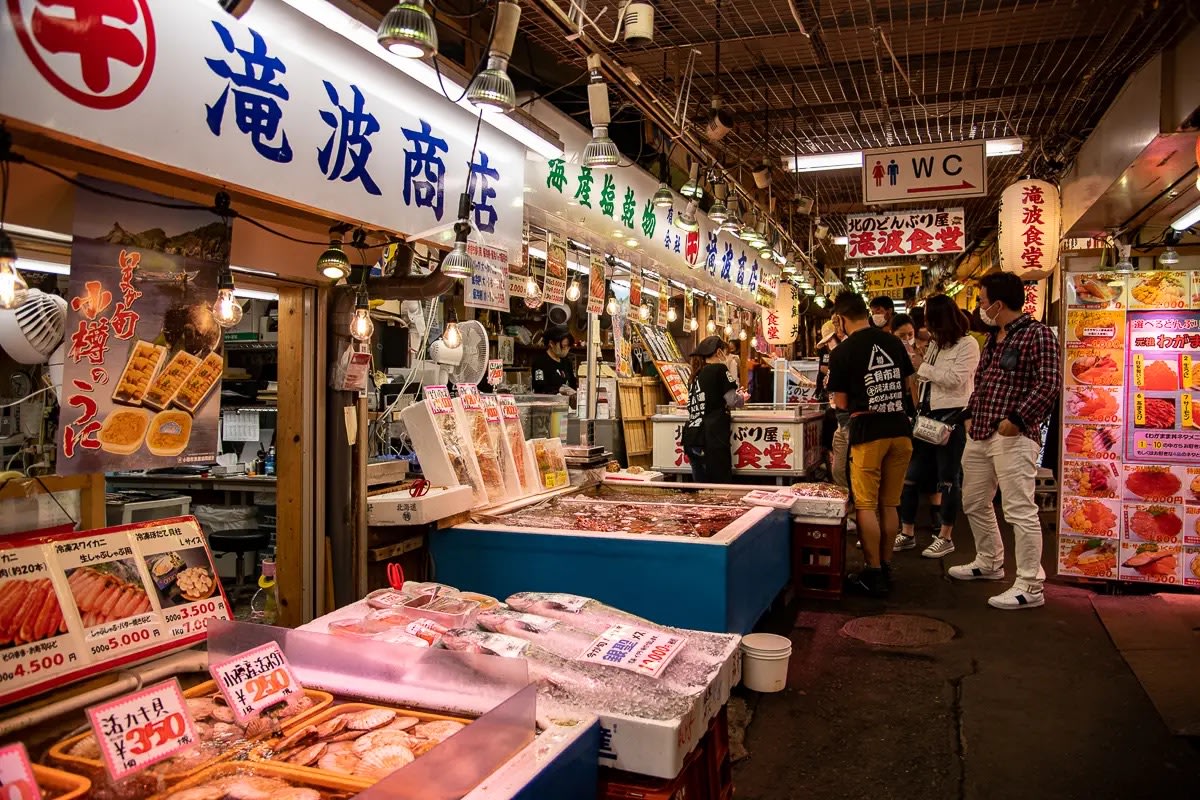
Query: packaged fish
514, 437
446, 455
495, 428
473, 421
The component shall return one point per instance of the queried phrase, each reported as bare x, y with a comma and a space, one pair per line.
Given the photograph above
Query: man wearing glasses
1016, 384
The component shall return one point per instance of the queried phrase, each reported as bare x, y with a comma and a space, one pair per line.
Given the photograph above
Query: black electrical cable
482, 7
478, 67
78, 184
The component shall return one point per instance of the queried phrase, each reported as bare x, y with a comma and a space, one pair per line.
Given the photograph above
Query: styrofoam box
401, 508
435, 462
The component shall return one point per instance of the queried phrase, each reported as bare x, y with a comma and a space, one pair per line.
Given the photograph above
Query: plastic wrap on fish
661, 519
473, 423
576, 683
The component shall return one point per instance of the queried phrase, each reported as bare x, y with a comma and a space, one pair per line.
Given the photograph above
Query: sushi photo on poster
142, 372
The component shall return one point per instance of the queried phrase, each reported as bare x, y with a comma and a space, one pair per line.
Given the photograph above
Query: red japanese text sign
142, 372
1030, 226
255, 680
906, 233
142, 728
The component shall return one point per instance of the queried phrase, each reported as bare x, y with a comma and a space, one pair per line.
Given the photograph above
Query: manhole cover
898, 630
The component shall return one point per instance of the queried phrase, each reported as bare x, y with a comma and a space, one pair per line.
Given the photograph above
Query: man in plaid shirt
1017, 381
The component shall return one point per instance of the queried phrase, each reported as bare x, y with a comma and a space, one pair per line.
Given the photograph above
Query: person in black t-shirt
553, 370
709, 428
870, 376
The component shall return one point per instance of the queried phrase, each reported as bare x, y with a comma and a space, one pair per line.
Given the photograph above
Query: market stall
769, 441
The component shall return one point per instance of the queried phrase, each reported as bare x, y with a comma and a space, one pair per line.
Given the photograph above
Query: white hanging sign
1030, 226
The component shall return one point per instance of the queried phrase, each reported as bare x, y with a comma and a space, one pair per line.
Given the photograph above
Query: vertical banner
519, 273
489, 278
142, 374
622, 349
635, 288
687, 311
596, 285
664, 302
555, 287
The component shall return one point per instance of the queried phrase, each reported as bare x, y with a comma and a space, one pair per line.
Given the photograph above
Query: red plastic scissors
395, 575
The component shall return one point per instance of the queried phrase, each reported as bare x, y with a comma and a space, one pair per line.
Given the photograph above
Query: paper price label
1139, 409
16, 775
1185, 371
491, 409
508, 407
495, 371
255, 679
468, 393
142, 728
1185, 410
438, 398
1139, 369
646, 652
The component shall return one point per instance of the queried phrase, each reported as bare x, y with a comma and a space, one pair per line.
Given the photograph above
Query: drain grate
898, 630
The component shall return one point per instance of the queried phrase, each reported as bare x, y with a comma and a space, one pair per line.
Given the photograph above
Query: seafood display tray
347, 708
328, 784
58, 785
60, 753
723, 583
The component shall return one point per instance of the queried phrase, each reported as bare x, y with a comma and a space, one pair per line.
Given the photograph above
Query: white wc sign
922, 173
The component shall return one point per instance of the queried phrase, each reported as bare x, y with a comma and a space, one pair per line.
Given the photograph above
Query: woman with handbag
946, 377
712, 393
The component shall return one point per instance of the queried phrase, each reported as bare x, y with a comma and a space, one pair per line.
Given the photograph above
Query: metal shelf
251, 345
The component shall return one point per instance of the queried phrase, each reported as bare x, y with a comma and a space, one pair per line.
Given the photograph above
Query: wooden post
289, 456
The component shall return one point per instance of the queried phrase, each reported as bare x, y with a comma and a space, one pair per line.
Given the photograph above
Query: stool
239, 542
818, 557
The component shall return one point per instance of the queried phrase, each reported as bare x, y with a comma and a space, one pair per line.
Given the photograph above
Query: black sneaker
886, 569
870, 582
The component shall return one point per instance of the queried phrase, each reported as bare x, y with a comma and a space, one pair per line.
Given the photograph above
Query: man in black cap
709, 428
553, 370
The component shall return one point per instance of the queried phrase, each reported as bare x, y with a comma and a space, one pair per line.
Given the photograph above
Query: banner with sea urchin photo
144, 355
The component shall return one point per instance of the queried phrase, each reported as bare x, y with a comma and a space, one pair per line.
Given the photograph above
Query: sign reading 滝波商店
275, 103
924, 232
144, 354
924, 173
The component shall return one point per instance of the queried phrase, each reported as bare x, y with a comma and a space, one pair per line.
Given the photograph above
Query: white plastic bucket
765, 659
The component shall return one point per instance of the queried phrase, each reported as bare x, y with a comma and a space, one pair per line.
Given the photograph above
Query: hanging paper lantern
1030, 226
781, 323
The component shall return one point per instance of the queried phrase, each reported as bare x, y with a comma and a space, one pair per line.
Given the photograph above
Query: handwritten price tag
143, 728
16, 775
495, 372
646, 652
256, 679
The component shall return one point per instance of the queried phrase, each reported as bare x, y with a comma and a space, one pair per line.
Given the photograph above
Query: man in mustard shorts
871, 377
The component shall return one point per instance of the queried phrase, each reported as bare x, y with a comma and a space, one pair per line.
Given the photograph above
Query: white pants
1009, 462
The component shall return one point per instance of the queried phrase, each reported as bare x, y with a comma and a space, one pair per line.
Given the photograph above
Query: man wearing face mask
553, 370
835, 429
883, 308
1016, 384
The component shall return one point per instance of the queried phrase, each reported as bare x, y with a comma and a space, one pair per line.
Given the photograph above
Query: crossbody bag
926, 426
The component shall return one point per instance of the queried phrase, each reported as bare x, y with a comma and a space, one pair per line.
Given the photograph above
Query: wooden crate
653, 395
629, 390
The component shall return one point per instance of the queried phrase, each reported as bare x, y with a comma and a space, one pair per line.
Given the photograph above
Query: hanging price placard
142, 728
17, 781
596, 285
255, 679
664, 303
495, 372
635, 288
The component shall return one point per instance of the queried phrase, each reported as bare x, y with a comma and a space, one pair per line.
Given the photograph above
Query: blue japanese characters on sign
257, 92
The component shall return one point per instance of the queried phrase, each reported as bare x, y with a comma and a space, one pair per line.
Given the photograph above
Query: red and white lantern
780, 322
1030, 228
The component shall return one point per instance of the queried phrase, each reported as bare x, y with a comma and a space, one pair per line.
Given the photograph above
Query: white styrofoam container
401, 508
427, 441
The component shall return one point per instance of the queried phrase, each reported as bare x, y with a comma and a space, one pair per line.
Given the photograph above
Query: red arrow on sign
963, 185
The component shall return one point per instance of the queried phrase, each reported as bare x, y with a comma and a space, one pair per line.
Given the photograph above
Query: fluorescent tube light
1012, 146
820, 162
37, 233
254, 294
32, 265
1184, 221
841, 241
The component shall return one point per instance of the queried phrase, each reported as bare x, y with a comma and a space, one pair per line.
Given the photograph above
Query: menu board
75, 604
1130, 506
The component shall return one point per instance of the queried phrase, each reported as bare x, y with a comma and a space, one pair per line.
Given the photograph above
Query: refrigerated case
609, 543
769, 441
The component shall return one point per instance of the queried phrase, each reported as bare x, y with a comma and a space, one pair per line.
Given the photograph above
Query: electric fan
30, 332
466, 363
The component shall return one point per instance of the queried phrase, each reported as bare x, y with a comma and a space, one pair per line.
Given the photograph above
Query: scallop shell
382, 738
251, 787
331, 727
258, 726
204, 792
424, 746
344, 762
383, 761
201, 708
347, 736
222, 713
296, 737
402, 723
340, 747
439, 730
297, 793
309, 755
370, 719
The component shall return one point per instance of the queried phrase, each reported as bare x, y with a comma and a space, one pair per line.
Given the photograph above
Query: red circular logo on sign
99, 53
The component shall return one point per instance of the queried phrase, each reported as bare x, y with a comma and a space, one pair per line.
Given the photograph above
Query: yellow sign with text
890, 279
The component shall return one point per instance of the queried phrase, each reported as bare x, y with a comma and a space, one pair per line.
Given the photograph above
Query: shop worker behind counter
554, 370
871, 377
713, 391
1016, 384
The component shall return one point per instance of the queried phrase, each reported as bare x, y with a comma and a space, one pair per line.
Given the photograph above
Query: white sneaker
939, 548
974, 572
1017, 598
905, 542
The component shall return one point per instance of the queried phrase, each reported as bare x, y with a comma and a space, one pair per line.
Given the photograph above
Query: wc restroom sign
923, 173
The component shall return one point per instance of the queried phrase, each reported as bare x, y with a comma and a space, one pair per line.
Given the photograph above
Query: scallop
370, 719
344, 761
438, 730
383, 761
309, 755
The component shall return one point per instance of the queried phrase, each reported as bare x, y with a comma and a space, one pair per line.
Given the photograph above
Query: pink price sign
255, 680
142, 728
16, 775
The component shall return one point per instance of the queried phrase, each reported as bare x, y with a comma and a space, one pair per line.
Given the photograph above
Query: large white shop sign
273, 103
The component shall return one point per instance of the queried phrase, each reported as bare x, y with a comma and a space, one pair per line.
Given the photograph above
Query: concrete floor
1019, 704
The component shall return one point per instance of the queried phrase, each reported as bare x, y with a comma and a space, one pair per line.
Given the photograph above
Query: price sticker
1139, 370
1185, 371
17, 781
255, 680
1185, 410
495, 372
640, 650
1139, 409
142, 728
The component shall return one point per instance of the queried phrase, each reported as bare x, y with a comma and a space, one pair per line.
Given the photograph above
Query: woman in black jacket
709, 428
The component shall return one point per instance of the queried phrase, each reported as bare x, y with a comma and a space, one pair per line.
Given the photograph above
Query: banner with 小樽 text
922, 232
142, 373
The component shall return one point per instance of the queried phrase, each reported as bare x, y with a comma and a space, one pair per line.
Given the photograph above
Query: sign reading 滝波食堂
144, 353
891, 279
275, 103
924, 173
923, 232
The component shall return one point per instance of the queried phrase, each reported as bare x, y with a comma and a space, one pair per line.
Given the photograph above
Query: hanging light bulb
710, 327
810, 291
408, 31
492, 89
671, 315
611, 307
226, 310
532, 289
687, 218
728, 331
719, 212
664, 197
573, 291
821, 301
1169, 258
361, 324
694, 324
601, 152
12, 285
1124, 263
746, 231
692, 188
742, 335
333, 263
733, 219
644, 312
451, 336
457, 263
